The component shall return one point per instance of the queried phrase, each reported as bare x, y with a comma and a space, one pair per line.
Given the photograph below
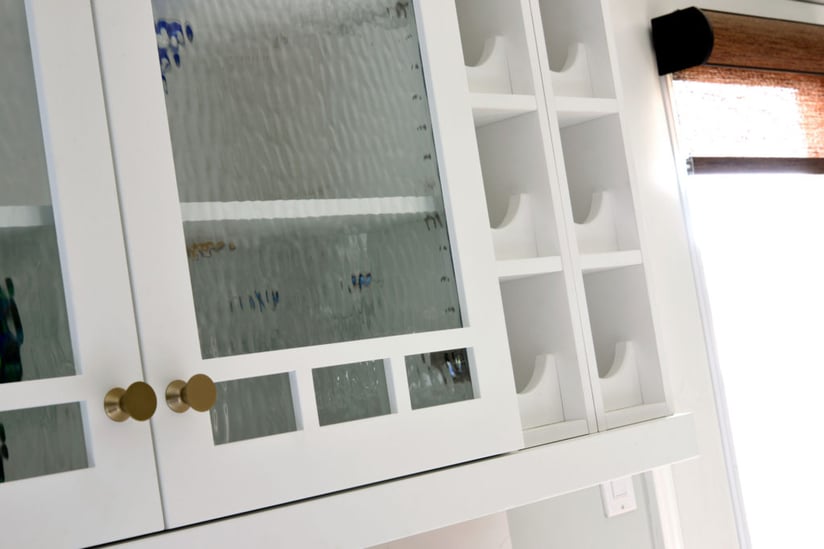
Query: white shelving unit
527, 221
597, 188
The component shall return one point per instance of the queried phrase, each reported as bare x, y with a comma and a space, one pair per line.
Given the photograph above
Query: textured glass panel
351, 391
41, 441
439, 378
253, 407
306, 169
34, 332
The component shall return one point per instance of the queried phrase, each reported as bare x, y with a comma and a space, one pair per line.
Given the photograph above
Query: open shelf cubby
579, 59
494, 37
629, 380
599, 186
518, 197
547, 375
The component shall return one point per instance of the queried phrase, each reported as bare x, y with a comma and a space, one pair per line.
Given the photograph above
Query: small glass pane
253, 407
306, 169
351, 391
439, 378
41, 441
34, 330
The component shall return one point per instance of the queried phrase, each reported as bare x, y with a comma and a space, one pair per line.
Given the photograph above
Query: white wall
701, 485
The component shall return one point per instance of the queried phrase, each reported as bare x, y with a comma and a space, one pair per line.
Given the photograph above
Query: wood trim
761, 43
704, 165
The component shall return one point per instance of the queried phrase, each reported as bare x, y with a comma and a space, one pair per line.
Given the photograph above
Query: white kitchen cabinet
354, 217
71, 475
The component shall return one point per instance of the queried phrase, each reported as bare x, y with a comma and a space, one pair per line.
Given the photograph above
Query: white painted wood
404, 507
488, 108
636, 414
577, 110
117, 496
515, 160
513, 269
514, 237
546, 434
483, 20
540, 402
568, 23
302, 209
661, 492
597, 232
538, 323
594, 263
573, 78
25, 216
491, 73
620, 385
316, 460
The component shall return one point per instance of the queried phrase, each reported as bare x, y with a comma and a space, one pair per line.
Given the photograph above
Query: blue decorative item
171, 37
11, 367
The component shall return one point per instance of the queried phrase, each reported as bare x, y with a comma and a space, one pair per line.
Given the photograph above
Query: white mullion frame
366, 450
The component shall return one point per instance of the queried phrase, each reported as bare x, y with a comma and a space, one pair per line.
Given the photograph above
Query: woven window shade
758, 103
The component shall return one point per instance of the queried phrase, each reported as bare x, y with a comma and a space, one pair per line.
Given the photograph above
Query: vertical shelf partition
599, 214
526, 219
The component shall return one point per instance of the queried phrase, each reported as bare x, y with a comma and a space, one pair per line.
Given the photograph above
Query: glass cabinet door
67, 330
305, 225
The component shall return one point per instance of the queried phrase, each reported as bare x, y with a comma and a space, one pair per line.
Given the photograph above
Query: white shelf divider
491, 73
513, 269
621, 386
573, 79
309, 208
577, 110
488, 108
540, 401
594, 263
13, 217
514, 237
598, 232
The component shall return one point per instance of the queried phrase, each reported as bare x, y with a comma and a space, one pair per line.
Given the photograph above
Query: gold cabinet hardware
138, 402
199, 393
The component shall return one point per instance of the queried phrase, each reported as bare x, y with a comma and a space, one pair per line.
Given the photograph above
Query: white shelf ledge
440, 498
540, 402
546, 434
636, 414
573, 79
514, 237
577, 110
513, 269
594, 263
621, 386
491, 73
299, 209
13, 217
597, 234
494, 107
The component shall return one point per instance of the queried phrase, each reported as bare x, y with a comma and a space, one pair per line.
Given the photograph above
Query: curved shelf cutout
514, 238
597, 233
540, 401
621, 386
491, 73
574, 78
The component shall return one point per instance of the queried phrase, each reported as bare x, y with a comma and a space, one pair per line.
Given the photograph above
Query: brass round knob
199, 393
138, 402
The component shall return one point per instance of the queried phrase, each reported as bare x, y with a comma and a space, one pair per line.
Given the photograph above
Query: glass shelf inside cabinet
307, 174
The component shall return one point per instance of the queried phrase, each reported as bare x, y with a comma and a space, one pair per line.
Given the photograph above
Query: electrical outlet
618, 496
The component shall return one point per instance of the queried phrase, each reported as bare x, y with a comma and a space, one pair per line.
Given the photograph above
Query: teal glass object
32, 300
41, 441
349, 392
276, 107
439, 378
252, 408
